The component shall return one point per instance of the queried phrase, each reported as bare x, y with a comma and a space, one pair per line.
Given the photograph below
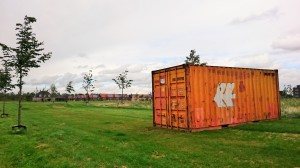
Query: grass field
107, 134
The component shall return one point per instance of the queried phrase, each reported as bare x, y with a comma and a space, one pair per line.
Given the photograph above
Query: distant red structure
105, 96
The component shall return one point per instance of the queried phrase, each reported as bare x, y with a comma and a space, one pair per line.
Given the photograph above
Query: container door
160, 98
177, 98
169, 93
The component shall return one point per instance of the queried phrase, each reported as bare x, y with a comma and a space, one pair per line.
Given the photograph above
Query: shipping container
195, 98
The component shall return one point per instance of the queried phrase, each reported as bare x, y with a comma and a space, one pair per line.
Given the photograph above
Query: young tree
27, 55
69, 89
5, 86
88, 84
123, 82
5, 79
287, 91
53, 92
194, 59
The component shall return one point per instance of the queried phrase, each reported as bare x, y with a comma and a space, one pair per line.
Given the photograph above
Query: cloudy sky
108, 37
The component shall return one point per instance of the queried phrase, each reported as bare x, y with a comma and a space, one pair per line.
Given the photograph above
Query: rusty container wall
205, 97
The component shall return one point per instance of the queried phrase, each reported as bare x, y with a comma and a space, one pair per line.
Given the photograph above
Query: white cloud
267, 15
82, 67
263, 61
289, 77
60, 81
290, 42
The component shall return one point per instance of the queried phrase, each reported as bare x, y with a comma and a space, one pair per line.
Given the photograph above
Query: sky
109, 37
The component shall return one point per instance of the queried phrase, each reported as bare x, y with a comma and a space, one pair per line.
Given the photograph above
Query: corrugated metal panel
206, 97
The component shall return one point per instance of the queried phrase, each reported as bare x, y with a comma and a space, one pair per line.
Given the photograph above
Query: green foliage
53, 90
28, 96
193, 59
122, 81
88, 85
287, 92
5, 76
5, 85
75, 135
70, 88
5, 81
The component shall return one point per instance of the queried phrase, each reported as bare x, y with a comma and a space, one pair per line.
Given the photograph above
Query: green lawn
109, 135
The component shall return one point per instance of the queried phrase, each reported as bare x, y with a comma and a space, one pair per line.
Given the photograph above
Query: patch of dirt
102, 166
285, 136
157, 155
61, 124
120, 166
117, 104
42, 145
289, 136
58, 106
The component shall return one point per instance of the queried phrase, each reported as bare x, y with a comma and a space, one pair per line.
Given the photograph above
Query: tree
122, 82
53, 92
88, 84
5, 78
44, 94
194, 59
27, 55
69, 89
287, 91
5, 86
28, 96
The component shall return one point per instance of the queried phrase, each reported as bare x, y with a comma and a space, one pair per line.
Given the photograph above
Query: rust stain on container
195, 98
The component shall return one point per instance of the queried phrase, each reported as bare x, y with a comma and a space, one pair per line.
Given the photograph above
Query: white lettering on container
224, 95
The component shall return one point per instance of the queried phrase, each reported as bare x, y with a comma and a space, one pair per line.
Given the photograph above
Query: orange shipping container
195, 98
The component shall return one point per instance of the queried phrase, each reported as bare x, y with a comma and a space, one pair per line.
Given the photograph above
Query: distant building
296, 91
42, 96
45, 96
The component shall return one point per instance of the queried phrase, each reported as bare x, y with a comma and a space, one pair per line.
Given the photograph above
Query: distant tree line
12, 96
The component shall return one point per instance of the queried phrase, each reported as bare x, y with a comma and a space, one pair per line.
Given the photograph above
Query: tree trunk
122, 97
20, 101
3, 105
87, 97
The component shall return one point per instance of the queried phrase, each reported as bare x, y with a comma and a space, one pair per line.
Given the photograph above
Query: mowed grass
109, 134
